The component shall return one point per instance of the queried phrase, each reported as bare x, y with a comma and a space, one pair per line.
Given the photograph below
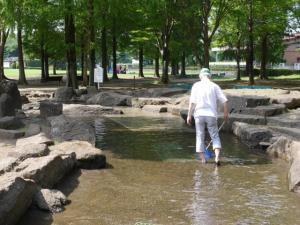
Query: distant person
204, 97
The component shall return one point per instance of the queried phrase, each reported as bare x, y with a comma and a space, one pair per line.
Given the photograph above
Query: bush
274, 72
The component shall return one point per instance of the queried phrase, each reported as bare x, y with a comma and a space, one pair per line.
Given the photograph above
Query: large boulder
159, 92
10, 122
10, 98
64, 94
67, 129
50, 200
48, 170
155, 108
73, 110
140, 102
49, 108
294, 175
110, 99
87, 156
251, 135
36, 139
11, 134
281, 148
31, 151
15, 198
7, 164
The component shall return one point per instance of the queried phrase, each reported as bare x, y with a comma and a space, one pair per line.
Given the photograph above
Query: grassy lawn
278, 81
14, 73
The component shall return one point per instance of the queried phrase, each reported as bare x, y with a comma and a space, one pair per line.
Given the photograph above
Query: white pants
212, 127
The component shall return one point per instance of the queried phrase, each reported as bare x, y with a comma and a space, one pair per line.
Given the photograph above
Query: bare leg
217, 153
203, 160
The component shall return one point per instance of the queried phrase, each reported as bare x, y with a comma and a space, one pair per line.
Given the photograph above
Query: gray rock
281, 149
294, 175
50, 200
36, 139
15, 198
286, 120
32, 129
10, 98
10, 122
140, 102
11, 134
291, 102
155, 108
73, 110
251, 135
67, 129
31, 151
293, 133
48, 109
64, 94
47, 171
159, 92
264, 110
7, 164
87, 156
238, 102
110, 99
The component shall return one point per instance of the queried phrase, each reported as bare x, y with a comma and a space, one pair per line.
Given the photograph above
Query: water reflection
156, 179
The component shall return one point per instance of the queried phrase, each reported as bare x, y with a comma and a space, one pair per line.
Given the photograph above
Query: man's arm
226, 115
190, 113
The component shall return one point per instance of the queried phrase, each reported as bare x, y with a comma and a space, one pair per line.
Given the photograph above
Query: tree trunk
92, 37
141, 61
43, 76
264, 57
104, 54
165, 59
251, 44
85, 68
22, 77
82, 55
173, 68
238, 59
3, 37
54, 67
71, 50
182, 72
46, 65
157, 63
206, 43
114, 48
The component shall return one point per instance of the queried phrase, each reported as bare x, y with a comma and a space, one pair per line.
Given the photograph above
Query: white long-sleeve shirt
206, 94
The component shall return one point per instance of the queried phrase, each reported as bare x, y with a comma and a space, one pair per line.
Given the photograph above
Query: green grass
14, 73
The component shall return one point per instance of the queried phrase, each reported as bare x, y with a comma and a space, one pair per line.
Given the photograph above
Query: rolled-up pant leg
212, 127
200, 133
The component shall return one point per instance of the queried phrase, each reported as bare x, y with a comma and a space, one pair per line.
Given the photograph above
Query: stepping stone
292, 132
11, 134
264, 110
10, 122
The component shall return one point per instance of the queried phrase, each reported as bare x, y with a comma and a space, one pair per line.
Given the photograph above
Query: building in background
292, 51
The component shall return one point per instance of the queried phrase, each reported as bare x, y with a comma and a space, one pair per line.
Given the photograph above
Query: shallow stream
153, 178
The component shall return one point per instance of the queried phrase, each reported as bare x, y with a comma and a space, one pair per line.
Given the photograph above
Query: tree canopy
86, 32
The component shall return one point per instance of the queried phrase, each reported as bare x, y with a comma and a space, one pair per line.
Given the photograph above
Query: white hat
204, 72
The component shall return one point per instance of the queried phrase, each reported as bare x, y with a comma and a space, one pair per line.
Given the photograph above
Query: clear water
154, 179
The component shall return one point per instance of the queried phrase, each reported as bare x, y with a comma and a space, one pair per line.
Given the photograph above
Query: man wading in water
203, 105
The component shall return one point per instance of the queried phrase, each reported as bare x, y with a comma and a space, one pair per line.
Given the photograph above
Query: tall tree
70, 43
250, 44
4, 32
211, 12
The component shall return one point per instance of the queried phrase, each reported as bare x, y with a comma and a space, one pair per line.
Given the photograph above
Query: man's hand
226, 114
